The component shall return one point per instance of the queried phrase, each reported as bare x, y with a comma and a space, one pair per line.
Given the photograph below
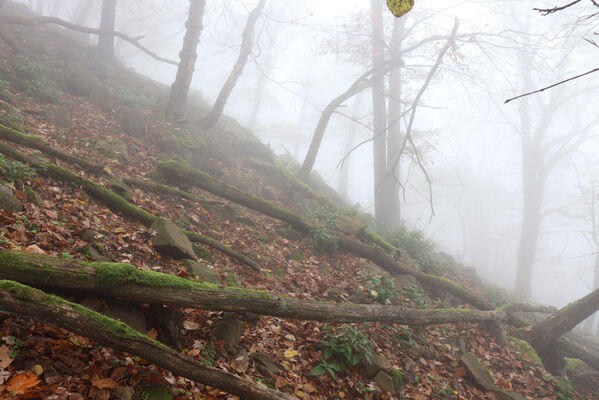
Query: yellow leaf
290, 353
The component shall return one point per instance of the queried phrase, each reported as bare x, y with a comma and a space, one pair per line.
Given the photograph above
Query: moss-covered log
548, 331
575, 350
128, 283
36, 142
117, 203
27, 302
179, 171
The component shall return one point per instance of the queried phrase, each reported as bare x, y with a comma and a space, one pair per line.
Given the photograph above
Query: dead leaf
289, 353
20, 383
5, 359
105, 383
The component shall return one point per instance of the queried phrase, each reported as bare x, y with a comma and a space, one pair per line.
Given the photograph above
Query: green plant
208, 354
382, 289
12, 171
66, 255
131, 95
36, 72
3, 239
563, 389
5, 93
344, 348
405, 337
362, 389
418, 295
15, 344
323, 238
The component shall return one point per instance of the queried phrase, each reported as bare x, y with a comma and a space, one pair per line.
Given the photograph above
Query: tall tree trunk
590, 323
40, 7
391, 183
379, 144
246, 46
179, 90
106, 42
349, 142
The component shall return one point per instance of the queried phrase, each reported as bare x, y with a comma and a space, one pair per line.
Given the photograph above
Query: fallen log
115, 202
126, 282
179, 171
28, 302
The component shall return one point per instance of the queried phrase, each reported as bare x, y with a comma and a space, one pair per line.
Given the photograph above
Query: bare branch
553, 85
547, 11
14, 20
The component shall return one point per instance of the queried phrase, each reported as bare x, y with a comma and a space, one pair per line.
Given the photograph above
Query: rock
482, 378
120, 188
233, 279
379, 363
265, 364
8, 201
171, 241
201, 252
385, 381
133, 121
202, 271
59, 118
122, 393
229, 329
221, 210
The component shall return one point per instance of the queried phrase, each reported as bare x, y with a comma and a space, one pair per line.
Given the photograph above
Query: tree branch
14, 20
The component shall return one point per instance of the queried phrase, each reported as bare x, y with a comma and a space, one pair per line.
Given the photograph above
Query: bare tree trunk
106, 42
379, 144
391, 184
246, 46
180, 88
349, 142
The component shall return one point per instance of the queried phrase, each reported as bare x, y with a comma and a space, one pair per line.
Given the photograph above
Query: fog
469, 141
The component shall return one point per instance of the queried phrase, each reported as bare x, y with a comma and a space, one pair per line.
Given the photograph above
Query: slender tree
179, 90
246, 46
106, 41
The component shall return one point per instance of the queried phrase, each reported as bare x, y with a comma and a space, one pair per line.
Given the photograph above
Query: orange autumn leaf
20, 383
460, 372
106, 383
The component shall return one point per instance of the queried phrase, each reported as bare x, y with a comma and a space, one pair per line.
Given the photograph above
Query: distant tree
180, 88
106, 41
82, 12
40, 7
246, 46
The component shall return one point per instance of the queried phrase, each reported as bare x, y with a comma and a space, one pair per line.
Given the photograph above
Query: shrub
36, 72
323, 238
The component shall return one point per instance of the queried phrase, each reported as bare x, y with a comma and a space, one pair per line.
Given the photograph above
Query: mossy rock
202, 271
171, 241
574, 365
229, 329
526, 349
157, 393
202, 252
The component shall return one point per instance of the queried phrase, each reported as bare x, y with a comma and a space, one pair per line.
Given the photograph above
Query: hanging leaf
400, 7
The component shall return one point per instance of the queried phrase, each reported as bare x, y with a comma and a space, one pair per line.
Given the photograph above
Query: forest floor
40, 361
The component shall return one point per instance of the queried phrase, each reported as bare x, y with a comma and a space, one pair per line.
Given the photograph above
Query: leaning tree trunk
179, 90
246, 46
590, 324
379, 115
106, 42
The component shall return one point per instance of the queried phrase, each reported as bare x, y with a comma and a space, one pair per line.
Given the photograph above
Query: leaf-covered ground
39, 361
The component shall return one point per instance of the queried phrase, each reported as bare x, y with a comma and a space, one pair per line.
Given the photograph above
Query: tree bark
179, 90
126, 282
590, 323
106, 41
379, 115
6, 19
547, 332
246, 46
27, 302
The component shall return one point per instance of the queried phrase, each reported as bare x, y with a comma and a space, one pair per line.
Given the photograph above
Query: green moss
37, 268
574, 364
31, 195
30, 295
399, 7
526, 349
201, 252
397, 377
177, 164
185, 138
379, 241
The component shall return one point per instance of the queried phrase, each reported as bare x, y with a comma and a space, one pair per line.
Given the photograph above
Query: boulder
170, 241
202, 271
8, 201
385, 381
265, 364
120, 188
229, 329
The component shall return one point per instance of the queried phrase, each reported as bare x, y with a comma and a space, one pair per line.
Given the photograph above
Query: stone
133, 121
221, 210
120, 188
59, 118
170, 241
233, 279
229, 329
157, 392
479, 374
202, 271
122, 393
8, 201
385, 381
379, 363
265, 364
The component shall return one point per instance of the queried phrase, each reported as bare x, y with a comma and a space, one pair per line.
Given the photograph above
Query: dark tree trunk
106, 42
246, 46
179, 90
379, 124
590, 323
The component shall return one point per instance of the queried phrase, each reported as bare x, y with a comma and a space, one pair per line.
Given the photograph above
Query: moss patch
526, 349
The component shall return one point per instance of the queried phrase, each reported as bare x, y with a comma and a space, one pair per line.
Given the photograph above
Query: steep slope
111, 117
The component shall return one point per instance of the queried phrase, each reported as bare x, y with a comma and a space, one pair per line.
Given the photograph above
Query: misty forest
313, 199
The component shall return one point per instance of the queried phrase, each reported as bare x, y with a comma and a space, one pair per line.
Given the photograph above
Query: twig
553, 85
547, 11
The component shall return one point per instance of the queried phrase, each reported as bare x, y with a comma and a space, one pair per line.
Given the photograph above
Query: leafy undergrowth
40, 361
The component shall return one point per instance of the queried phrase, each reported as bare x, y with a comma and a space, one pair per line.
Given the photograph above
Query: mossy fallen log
179, 171
115, 202
126, 282
28, 302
